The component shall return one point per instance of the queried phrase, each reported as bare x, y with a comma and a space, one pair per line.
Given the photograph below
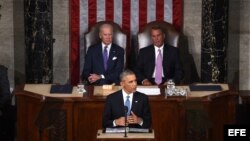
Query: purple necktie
158, 68
105, 57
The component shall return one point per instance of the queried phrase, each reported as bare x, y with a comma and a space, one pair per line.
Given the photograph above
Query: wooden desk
174, 118
243, 108
120, 136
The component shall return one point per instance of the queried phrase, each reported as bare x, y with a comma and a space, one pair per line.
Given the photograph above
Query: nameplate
63, 89
205, 87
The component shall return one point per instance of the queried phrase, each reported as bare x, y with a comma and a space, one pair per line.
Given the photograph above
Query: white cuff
114, 123
102, 76
141, 122
143, 81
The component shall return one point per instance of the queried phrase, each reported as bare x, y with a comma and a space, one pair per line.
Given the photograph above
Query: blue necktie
105, 57
127, 103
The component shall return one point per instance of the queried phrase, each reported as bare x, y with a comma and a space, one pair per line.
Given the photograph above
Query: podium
120, 136
201, 115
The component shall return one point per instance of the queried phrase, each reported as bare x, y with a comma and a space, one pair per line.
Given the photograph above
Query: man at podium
127, 106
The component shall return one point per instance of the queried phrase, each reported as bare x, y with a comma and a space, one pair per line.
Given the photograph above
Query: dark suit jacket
4, 87
94, 64
8, 112
114, 108
171, 64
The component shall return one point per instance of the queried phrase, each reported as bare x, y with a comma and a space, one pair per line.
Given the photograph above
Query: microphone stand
125, 110
40, 134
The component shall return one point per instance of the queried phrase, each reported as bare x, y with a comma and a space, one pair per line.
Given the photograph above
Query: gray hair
105, 25
126, 73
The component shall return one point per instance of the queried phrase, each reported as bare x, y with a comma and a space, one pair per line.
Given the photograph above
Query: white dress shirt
108, 48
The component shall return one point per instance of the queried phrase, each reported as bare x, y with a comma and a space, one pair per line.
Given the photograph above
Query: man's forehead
106, 28
129, 77
106, 32
156, 31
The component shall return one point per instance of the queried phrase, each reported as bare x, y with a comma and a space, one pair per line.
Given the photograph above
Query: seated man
5, 96
158, 62
7, 111
138, 110
105, 61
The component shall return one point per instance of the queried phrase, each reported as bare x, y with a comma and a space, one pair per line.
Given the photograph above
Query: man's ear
121, 83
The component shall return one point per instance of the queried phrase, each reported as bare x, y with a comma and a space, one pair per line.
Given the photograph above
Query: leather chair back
171, 34
92, 36
119, 36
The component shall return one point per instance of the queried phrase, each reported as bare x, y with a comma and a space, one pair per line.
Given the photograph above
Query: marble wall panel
38, 41
61, 45
19, 42
244, 53
7, 38
192, 29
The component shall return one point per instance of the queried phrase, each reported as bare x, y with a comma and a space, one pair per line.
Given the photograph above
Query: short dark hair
126, 73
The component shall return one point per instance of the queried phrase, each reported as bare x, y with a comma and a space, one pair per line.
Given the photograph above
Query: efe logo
236, 132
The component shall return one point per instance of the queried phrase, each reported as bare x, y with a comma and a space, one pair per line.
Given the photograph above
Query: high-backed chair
173, 38
7, 111
92, 36
172, 35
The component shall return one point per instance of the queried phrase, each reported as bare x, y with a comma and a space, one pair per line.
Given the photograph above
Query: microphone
125, 113
126, 110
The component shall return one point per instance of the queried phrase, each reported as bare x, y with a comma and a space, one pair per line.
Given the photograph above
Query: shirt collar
124, 94
157, 48
109, 45
161, 48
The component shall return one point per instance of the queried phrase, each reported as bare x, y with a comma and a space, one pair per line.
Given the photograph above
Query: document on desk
129, 130
149, 90
115, 130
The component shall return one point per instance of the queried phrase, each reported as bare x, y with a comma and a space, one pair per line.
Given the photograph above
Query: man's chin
158, 45
134, 90
107, 43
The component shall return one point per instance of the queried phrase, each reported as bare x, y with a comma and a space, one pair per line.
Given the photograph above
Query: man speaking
138, 110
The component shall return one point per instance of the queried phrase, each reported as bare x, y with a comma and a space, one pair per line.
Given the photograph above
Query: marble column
38, 41
214, 40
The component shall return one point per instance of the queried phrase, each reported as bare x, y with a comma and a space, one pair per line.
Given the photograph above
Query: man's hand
120, 121
146, 82
134, 119
94, 77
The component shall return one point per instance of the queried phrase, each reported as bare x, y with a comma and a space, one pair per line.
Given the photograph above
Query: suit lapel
121, 102
100, 57
112, 54
152, 60
165, 60
134, 102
